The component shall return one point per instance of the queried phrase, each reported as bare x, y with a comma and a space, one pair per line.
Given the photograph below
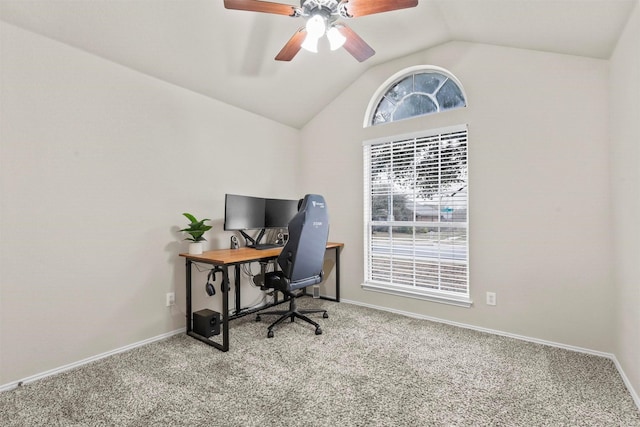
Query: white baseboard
79, 363
634, 395
610, 356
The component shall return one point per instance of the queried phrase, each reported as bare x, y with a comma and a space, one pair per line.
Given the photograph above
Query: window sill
410, 292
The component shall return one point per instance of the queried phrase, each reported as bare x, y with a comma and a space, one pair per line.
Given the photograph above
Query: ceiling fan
321, 16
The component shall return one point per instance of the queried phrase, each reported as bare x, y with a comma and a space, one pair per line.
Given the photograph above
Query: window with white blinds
416, 222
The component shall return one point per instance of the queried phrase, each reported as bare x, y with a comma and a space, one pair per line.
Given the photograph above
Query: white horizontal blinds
379, 161
416, 215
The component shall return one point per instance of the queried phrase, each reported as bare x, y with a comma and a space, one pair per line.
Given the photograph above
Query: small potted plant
196, 230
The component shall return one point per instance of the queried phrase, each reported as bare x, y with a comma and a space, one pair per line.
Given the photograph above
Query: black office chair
301, 259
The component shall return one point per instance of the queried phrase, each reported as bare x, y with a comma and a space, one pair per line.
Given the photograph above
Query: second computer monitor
278, 212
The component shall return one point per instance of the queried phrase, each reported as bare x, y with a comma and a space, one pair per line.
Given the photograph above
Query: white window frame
414, 290
397, 77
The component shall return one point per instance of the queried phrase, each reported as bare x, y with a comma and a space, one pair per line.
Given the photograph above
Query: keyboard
263, 246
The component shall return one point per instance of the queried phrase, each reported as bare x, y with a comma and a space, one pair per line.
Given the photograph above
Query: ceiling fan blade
293, 46
355, 45
261, 6
357, 8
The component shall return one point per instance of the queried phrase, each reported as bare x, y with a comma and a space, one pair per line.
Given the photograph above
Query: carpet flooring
368, 368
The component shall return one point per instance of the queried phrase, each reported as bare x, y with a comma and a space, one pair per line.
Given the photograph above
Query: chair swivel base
292, 313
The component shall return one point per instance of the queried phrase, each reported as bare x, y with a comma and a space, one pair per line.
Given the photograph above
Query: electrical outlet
171, 299
491, 298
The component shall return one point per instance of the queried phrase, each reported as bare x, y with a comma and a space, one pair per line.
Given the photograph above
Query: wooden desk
224, 258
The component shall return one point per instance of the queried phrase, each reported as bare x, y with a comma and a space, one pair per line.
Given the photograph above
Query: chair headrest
312, 201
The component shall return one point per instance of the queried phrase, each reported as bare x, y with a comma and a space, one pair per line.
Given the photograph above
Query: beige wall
97, 164
625, 190
539, 189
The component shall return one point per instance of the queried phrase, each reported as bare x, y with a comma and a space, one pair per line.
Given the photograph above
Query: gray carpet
369, 368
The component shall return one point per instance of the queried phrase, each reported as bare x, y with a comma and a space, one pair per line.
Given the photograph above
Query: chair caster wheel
258, 318
325, 315
318, 331
270, 334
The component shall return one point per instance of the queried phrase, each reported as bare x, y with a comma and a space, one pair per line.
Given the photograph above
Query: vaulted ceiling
228, 54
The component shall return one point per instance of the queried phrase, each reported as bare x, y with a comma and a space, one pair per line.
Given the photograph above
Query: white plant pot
195, 248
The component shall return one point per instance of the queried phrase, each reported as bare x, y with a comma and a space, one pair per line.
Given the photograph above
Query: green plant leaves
196, 228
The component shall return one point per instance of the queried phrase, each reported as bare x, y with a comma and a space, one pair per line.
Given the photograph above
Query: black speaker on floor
206, 323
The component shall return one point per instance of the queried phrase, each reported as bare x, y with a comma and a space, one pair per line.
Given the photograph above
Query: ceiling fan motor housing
327, 8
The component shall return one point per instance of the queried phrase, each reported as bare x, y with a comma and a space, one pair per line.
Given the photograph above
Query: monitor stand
250, 241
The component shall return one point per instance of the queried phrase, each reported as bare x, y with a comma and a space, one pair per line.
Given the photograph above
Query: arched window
415, 92
416, 193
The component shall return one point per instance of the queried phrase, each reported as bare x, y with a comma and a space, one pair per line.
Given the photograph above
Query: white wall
625, 189
97, 163
539, 189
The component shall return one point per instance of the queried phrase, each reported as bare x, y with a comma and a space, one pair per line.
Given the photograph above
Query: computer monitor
256, 213
278, 212
244, 212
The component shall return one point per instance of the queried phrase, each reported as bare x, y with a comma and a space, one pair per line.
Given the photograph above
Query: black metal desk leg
236, 288
225, 308
337, 274
188, 293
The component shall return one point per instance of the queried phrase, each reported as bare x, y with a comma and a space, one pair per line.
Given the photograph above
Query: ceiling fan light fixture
336, 39
310, 44
316, 26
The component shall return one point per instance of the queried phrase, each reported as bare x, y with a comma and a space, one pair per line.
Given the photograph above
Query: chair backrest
302, 258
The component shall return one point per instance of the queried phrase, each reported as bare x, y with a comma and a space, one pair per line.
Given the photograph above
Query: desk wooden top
244, 254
